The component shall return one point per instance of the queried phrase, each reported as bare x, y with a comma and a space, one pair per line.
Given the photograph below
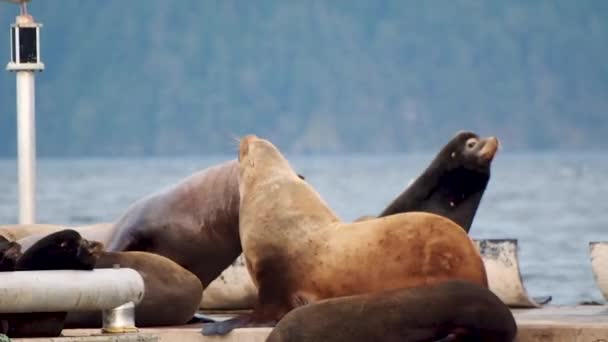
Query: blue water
553, 203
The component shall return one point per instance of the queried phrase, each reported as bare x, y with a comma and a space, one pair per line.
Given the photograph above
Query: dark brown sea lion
453, 310
10, 252
172, 293
454, 183
297, 251
61, 250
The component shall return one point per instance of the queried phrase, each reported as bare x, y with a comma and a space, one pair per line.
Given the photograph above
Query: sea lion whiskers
235, 140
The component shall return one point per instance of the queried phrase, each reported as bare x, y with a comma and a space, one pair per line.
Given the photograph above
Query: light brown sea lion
297, 251
449, 311
452, 186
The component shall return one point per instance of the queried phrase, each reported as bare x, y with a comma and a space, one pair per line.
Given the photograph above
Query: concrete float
546, 324
93, 336
234, 289
598, 251
500, 256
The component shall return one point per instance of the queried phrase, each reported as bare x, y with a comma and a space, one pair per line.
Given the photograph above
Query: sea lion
172, 293
61, 250
453, 310
194, 222
10, 252
453, 184
297, 251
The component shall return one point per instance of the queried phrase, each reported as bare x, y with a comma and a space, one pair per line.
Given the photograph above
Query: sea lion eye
471, 143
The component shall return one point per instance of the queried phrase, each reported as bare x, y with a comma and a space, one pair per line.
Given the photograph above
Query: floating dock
583, 323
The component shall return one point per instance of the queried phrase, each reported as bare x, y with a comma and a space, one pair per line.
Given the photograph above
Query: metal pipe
119, 320
26, 137
67, 290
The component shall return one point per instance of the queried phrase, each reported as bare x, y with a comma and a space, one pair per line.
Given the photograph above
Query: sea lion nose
489, 148
244, 145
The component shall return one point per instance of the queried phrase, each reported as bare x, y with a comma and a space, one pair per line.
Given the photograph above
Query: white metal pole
26, 138
26, 110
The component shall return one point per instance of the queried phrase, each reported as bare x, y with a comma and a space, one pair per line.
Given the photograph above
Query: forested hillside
161, 77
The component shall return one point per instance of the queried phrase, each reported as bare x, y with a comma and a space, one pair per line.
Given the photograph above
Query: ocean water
554, 204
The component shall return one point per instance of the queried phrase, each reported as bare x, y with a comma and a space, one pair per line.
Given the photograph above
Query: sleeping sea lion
450, 311
171, 297
63, 250
172, 293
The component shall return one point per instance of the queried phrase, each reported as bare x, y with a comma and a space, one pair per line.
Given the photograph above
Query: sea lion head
470, 151
260, 156
10, 252
65, 249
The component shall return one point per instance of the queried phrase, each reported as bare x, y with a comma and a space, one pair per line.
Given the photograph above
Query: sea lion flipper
243, 321
224, 327
542, 300
201, 318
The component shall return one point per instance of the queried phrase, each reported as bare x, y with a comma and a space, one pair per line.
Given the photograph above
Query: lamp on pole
25, 61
